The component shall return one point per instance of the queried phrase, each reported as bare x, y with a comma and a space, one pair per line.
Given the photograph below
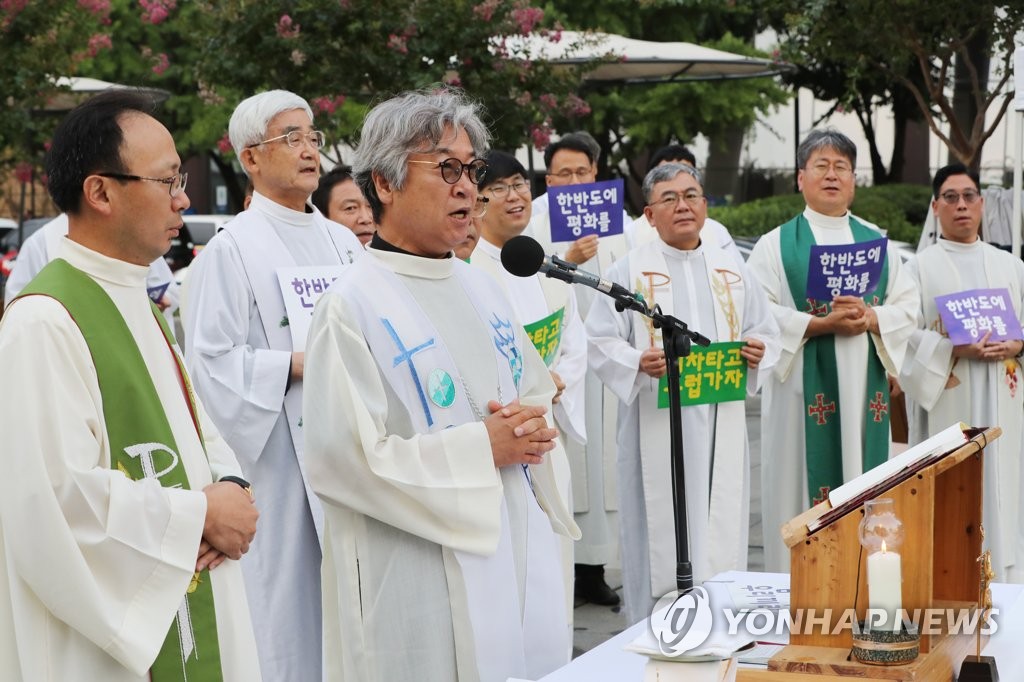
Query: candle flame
883, 546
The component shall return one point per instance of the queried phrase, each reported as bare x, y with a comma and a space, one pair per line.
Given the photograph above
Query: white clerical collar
680, 254
414, 266
103, 268
487, 248
281, 214
829, 222
958, 247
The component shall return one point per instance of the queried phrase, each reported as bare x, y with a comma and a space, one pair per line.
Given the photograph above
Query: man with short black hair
114, 535
339, 198
978, 383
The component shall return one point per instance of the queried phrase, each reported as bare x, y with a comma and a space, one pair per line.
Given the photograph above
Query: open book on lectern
875, 482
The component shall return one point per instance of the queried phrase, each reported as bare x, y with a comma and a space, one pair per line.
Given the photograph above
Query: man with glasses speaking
426, 434
825, 415
248, 302
949, 378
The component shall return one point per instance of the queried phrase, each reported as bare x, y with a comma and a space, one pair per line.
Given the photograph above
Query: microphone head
522, 256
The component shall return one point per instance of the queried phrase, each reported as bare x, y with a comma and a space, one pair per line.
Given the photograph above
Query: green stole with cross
823, 441
138, 431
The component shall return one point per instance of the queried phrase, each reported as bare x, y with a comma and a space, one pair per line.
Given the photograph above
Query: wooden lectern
939, 500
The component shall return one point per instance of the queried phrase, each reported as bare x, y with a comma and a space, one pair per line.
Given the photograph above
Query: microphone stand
676, 338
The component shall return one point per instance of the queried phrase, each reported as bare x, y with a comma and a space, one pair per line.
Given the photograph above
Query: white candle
885, 587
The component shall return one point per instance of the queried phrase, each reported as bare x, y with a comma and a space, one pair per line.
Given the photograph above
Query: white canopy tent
619, 59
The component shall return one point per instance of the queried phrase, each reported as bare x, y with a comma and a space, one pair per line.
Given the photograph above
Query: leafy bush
899, 209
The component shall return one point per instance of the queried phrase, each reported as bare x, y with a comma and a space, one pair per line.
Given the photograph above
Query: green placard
715, 374
546, 335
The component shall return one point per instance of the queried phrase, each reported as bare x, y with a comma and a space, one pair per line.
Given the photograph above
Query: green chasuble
822, 433
141, 446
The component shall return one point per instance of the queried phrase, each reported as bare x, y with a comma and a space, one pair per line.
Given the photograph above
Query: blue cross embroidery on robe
505, 342
405, 355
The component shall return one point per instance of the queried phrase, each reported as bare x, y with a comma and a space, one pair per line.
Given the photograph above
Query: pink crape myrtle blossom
156, 11
286, 28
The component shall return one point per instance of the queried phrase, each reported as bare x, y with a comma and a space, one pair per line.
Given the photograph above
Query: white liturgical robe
93, 565
437, 565
239, 351
533, 299
595, 496
943, 390
784, 458
712, 292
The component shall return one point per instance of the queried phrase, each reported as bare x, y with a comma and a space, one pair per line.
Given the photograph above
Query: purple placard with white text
579, 210
969, 315
845, 269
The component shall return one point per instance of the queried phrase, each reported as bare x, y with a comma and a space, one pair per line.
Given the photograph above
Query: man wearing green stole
117, 546
825, 411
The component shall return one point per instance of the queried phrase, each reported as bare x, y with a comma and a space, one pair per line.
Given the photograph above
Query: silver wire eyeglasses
451, 169
952, 197
175, 183
820, 170
501, 190
692, 198
294, 138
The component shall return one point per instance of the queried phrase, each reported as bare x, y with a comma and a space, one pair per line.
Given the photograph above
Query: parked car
197, 232
9, 243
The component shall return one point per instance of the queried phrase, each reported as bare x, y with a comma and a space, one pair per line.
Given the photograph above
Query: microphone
523, 256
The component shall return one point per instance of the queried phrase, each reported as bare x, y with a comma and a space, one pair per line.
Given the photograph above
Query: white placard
1018, 79
301, 288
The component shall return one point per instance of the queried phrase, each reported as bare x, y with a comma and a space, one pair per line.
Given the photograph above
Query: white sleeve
572, 368
438, 486
109, 557
766, 264
242, 387
897, 317
612, 355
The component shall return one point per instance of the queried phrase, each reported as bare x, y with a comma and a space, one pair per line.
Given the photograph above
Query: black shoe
595, 590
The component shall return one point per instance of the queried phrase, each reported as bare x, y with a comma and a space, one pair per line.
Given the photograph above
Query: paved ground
596, 624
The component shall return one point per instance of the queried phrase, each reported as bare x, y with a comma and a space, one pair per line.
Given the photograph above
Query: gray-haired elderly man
245, 352
426, 435
711, 290
825, 412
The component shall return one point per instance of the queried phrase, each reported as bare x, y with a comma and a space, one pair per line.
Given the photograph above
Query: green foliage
41, 41
898, 209
366, 51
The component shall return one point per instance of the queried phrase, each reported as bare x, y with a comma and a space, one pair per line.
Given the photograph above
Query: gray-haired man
426, 436
710, 289
825, 412
245, 352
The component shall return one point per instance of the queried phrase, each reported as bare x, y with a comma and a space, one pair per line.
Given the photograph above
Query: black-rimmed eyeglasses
175, 183
294, 138
451, 169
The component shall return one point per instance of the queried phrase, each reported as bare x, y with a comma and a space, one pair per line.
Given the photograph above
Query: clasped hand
849, 316
988, 351
230, 524
519, 434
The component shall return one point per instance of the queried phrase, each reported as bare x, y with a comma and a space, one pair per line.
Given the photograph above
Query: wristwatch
245, 485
